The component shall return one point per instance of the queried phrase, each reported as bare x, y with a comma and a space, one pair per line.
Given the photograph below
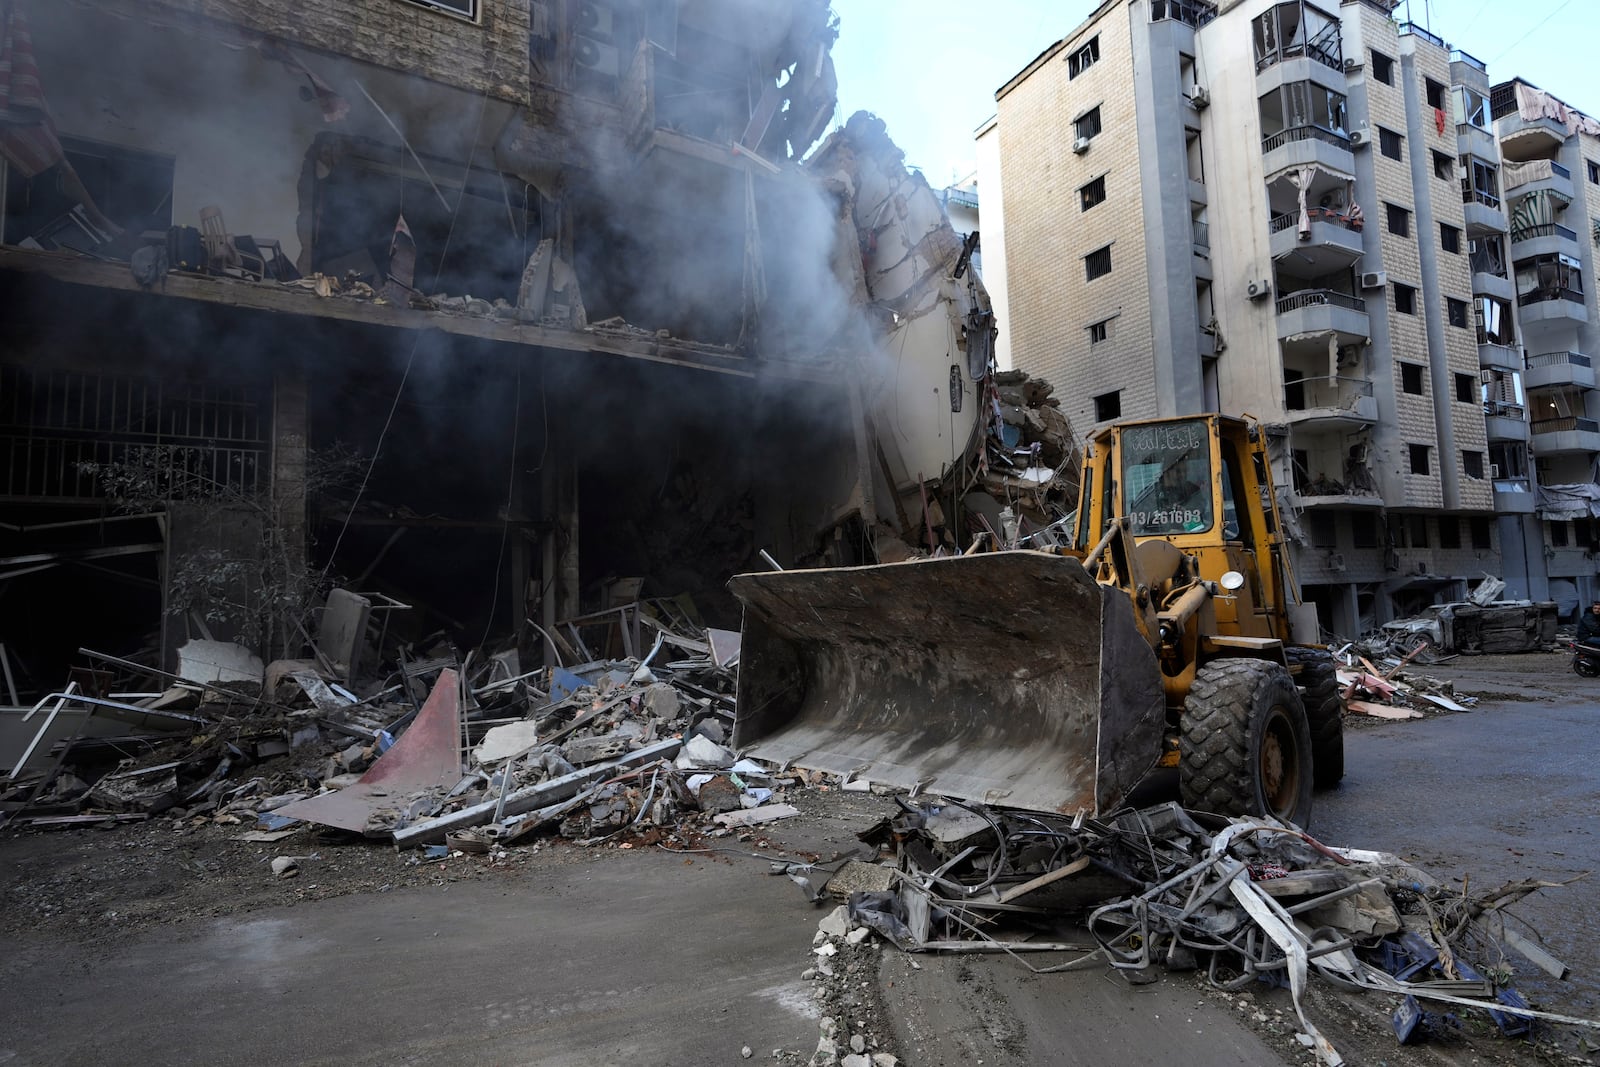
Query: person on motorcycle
1589, 625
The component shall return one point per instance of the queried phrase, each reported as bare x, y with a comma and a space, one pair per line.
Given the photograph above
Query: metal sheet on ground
427, 756
1010, 678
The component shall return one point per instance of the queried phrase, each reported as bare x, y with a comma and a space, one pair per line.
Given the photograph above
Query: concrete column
290, 431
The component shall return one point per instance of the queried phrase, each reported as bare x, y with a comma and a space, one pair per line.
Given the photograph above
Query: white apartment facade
1260, 208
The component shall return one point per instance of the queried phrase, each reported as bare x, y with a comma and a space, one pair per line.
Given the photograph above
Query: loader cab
1201, 483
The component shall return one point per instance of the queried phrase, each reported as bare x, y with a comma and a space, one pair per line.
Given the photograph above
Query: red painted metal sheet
427, 756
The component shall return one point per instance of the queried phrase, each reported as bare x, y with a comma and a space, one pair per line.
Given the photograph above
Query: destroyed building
499, 312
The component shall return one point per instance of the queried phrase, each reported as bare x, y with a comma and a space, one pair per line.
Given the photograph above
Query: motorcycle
1585, 659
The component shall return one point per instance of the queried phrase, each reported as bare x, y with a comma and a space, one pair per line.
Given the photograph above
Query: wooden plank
1043, 880
1382, 711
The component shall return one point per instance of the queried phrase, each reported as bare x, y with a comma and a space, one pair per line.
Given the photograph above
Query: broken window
1480, 182
1382, 67
1450, 238
1443, 166
1084, 58
1435, 93
1495, 325
1108, 406
132, 189
1405, 299
1472, 464
1100, 331
1411, 378
1418, 455
1449, 525
1471, 107
1467, 388
1363, 530
1456, 311
1297, 29
1480, 532
1303, 106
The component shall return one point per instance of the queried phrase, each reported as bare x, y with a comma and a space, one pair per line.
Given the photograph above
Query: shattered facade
507, 312
1340, 272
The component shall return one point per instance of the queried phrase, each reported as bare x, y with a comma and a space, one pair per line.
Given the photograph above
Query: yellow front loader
1055, 680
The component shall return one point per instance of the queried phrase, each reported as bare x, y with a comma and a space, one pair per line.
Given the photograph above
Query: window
1363, 531
1472, 463
1108, 406
131, 188
1324, 532
1087, 124
466, 8
1301, 106
1435, 93
1478, 529
1558, 534
1100, 331
1450, 530
1093, 193
1418, 527
1471, 108
1411, 378
1383, 67
1494, 322
1450, 238
1084, 58
1444, 166
1456, 311
1097, 263
1168, 481
1419, 465
1399, 220
1405, 299
1467, 392
1594, 171
1296, 29
1480, 182
1389, 143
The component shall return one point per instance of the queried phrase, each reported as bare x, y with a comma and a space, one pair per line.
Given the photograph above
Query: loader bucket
1009, 678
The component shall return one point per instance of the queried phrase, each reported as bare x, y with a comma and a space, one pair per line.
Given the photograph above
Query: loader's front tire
1319, 692
1244, 746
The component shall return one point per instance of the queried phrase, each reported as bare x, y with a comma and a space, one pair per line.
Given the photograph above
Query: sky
930, 68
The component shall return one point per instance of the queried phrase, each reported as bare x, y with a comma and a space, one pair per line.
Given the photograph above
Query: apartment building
1551, 178
1274, 209
543, 275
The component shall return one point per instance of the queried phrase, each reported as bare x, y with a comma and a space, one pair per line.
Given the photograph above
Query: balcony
1301, 146
1484, 213
1524, 139
1194, 13
1566, 435
1499, 357
1559, 369
1486, 283
1504, 422
1331, 241
1543, 239
1313, 311
1552, 305
1330, 403
1202, 249
1474, 140
1514, 496
1539, 175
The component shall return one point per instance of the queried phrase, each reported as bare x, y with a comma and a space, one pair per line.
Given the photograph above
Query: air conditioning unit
1200, 98
1360, 138
1374, 279
600, 58
1349, 355
594, 20
1258, 288
1351, 63
1080, 146
1336, 561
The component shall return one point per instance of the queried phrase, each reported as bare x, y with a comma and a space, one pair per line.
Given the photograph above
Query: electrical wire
1508, 49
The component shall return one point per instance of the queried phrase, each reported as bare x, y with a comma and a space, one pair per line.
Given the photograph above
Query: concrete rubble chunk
836, 923
701, 752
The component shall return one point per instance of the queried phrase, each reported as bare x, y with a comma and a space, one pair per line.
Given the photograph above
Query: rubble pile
1032, 461
1479, 625
1241, 900
1387, 691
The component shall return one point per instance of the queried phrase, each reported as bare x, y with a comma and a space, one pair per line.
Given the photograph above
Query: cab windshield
1167, 480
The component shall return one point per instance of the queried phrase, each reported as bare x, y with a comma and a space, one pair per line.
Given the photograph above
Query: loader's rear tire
1319, 692
1244, 747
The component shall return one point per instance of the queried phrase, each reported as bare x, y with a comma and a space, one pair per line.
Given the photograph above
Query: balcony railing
1565, 425
1202, 236
1305, 394
1497, 410
1470, 195
1544, 229
1291, 219
1413, 30
1304, 133
1559, 359
1503, 100
1306, 298
1458, 56
1195, 13
1539, 296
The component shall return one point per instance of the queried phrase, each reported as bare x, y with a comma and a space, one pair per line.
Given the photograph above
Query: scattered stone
836, 923
858, 935
285, 866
